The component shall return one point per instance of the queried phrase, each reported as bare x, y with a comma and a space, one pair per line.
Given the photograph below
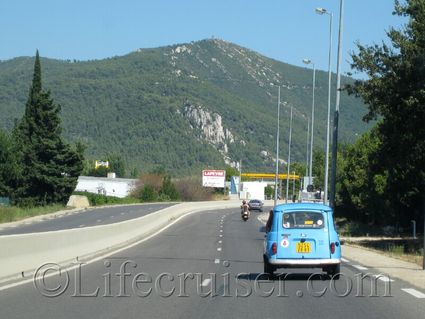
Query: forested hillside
182, 107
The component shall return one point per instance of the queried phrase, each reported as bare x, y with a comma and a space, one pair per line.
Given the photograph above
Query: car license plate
303, 248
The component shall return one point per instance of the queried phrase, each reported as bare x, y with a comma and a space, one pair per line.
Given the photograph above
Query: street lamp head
306, 61
321, 11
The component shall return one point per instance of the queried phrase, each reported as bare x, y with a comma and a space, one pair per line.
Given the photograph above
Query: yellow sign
101, 163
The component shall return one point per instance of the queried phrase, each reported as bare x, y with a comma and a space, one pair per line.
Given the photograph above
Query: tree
362, 183
116, 164
394, 92
50, 167
168, 189
318, 169
8, 165
231, 171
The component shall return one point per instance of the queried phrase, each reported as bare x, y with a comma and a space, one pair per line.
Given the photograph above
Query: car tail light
332, 248
274, 249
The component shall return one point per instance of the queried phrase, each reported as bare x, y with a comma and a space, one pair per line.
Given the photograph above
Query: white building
109, 186
252, 190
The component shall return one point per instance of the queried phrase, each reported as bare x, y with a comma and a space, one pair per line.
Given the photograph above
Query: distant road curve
87, 218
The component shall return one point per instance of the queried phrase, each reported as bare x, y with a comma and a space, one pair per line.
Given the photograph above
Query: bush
99, 199
148, 194
155, 187
168, 189
190, 189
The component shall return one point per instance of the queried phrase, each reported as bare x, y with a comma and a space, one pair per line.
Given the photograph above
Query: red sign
214, 173
213, 178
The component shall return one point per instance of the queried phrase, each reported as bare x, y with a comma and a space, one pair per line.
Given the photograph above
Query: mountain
182, 107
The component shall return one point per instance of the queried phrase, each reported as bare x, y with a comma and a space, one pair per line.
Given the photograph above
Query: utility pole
240, 178
277, 149
289, 158
336, 114
423, 248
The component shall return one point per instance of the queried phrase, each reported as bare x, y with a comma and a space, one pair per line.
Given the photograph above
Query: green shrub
99, 199
149, 194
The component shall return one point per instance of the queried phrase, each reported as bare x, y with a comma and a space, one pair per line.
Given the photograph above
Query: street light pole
307, 150
289, 158
336, 114
310, 173
324, 11
277, 149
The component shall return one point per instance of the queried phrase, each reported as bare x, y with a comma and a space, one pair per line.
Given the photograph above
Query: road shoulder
392, 267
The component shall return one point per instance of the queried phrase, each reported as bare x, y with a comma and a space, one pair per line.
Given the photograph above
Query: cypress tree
49, 166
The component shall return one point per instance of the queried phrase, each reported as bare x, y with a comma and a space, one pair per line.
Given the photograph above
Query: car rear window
303, 220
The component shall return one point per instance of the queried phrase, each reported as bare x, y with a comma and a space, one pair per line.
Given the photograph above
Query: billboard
213, 178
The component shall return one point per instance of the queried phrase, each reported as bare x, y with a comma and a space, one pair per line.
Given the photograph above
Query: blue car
302, 235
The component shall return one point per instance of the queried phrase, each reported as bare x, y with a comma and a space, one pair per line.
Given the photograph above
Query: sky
286, 30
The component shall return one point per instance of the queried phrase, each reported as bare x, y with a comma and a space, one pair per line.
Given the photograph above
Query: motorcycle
245, 216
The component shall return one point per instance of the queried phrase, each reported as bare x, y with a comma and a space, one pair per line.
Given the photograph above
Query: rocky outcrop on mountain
210, 128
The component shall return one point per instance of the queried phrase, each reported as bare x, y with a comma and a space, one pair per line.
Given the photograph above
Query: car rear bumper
304, 262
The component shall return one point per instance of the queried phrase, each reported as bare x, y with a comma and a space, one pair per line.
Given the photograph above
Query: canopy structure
270, 176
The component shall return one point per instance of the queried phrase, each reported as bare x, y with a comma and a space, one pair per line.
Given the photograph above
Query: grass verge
402, 249
11, 213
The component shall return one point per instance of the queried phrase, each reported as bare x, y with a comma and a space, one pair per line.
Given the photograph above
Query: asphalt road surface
207, 265
90, 217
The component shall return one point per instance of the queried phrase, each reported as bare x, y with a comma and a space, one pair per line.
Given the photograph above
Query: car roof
301, 206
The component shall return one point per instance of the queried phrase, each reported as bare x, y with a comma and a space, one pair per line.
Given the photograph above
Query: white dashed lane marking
219, 249
414, 293
216, 261
344, 260
205, 282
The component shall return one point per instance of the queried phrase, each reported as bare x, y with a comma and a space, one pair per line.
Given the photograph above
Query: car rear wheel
333, 271
268, 268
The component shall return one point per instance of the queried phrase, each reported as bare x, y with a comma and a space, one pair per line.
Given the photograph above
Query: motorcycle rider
245, 208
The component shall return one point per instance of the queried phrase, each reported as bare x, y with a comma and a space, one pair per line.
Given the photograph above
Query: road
90, 217
153, 279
